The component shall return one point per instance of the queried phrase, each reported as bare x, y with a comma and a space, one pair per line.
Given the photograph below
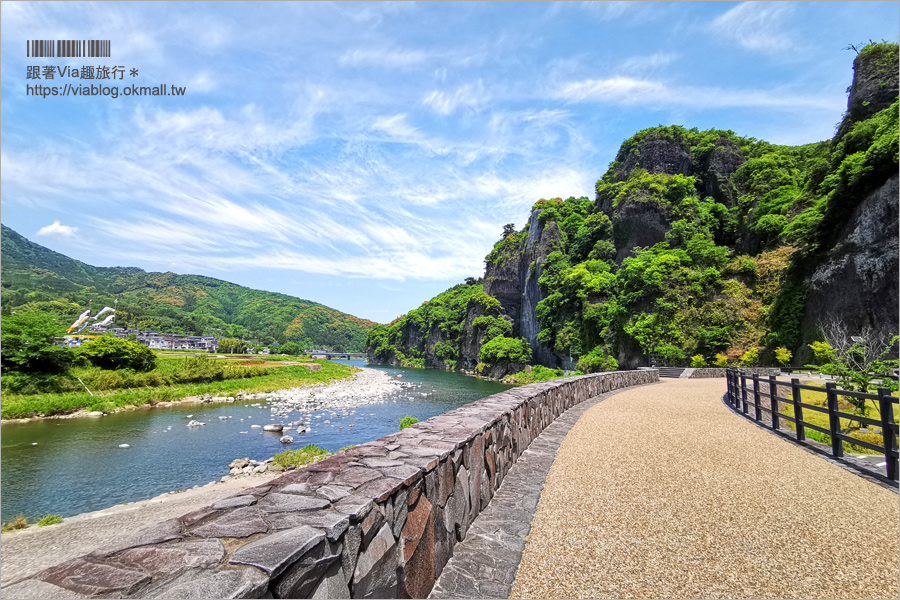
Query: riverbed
71, 466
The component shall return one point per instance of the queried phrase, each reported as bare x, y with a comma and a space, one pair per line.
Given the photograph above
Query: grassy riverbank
175, 378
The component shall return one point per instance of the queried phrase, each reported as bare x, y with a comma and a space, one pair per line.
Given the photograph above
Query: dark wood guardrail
761, 398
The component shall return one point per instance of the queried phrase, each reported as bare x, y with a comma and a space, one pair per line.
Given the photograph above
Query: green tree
232, 346
113, 353
29, 344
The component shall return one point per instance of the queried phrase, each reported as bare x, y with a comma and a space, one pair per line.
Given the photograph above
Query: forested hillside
699, 246
39, 278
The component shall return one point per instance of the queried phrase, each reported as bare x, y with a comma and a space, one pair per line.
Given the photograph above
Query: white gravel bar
369, 386
663, 492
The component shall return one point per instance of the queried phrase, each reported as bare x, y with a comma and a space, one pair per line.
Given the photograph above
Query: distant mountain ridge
170, 302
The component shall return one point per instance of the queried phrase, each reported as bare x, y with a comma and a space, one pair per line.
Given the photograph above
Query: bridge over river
610, 485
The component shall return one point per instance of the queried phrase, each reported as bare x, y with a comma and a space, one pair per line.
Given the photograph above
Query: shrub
502, 348
721, 360
822, 352
597, 361
698, 361
749, 358
50, 520
19, 523
407, 421
112, 353
783, 355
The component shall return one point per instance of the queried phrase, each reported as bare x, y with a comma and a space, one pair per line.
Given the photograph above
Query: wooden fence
761, 398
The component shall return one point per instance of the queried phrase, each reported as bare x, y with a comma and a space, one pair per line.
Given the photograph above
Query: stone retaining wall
377, 521
706, 372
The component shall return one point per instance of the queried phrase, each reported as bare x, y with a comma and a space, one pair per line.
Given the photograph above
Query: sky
367, 155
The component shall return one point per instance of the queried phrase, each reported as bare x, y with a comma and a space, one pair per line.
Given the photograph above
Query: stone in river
124, 446
286, 439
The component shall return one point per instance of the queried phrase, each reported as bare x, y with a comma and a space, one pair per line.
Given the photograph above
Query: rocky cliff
699, 246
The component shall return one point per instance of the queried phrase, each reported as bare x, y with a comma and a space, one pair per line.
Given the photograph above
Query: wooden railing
761, 398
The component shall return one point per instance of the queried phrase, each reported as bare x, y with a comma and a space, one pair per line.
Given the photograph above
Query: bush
822, 352
538, 373
112, 353
783, 355
749, 358
698, 361
597, 361
502, 348
19, 523
50, 520
407, 421
721, 360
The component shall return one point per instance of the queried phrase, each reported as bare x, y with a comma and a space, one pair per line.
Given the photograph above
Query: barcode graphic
67, 48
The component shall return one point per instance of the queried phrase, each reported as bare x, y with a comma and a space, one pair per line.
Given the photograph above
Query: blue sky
367, 155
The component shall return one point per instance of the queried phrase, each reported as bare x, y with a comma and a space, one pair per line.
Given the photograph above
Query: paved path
663, 492
484, 564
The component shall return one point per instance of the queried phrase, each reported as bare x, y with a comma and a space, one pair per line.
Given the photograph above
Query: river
71, 466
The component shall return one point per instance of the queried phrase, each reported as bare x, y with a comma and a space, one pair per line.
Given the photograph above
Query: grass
305, 455
19, 523
821, 419
50, 520
407, 421
258, 379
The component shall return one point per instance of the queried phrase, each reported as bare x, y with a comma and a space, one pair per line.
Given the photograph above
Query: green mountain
697, 244
43, 279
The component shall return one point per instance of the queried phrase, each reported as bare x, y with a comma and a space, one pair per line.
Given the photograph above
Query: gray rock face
639, 223
857, 280
874, 86
657, 155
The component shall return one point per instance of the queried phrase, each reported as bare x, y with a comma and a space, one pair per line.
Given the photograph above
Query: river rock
274, 427
239, 463
194, 423
286, 439
124, 446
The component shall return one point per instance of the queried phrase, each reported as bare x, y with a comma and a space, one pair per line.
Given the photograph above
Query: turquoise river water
71, 466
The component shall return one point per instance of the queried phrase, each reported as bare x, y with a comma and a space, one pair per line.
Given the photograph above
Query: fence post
837, 448
798, 410
732, 388
744, 391
773, 394
886, 407
728, 386
756, 396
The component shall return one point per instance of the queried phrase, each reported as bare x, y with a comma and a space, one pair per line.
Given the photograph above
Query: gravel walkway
663, 492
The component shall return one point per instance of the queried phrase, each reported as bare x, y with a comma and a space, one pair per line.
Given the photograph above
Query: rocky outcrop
637, 223
857, 280
656, 154
377, 521
875, 84
721, 164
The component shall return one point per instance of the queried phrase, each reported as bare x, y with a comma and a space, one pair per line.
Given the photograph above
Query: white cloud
56, 229
641, 65
383, 57
756, 26
610, 11
468, 95
643, 92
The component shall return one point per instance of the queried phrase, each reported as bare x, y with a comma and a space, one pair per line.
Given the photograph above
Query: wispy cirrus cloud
469, 95
645, 92
756, 26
